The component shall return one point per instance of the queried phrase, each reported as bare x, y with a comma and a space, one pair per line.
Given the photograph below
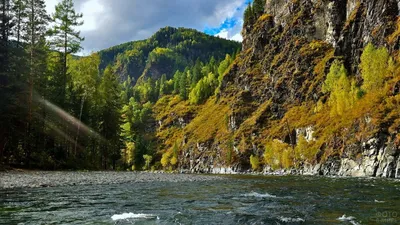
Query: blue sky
108, 23
230, 25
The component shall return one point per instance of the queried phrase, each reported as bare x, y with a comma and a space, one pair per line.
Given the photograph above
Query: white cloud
223, 34
92, 11
237, 37
50, 5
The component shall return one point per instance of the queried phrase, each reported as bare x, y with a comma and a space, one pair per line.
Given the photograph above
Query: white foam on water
258, 195
377, 201
291, 220
130, 215
350, 219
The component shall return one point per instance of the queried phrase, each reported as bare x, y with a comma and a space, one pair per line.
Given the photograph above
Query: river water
233, 200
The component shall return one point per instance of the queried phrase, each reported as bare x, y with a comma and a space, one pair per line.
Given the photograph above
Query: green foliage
196, 73
253, 12
278, 154
374, 67
166, 157
176, 79
223, 67
203, 89
84, 73
183, 85
65, 20
147, 159
255, 162
304, 150
163, 85
248, 15
147, 91
342, 91
258, 7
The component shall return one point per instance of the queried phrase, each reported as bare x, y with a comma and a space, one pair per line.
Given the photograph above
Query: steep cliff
274, 107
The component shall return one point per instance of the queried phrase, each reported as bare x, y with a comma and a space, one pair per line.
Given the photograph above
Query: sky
112, 22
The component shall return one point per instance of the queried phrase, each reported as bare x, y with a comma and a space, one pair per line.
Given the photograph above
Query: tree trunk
3, 143
31, 84
79, 123
19, 24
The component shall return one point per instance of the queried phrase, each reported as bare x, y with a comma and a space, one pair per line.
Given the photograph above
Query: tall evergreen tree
110, 115
34, 37
65, 38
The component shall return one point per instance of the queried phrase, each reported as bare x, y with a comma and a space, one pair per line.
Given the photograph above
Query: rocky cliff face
276, 81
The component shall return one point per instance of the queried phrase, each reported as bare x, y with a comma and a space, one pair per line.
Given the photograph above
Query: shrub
255, 162
273, 153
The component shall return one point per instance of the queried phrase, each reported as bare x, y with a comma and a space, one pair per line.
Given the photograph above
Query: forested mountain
168, 50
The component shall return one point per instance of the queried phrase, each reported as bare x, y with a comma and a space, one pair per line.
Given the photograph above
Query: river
236, 199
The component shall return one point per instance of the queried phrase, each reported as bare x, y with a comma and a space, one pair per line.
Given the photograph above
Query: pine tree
34, 38
20, 16
65, 38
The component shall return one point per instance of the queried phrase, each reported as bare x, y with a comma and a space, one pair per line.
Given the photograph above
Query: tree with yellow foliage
342, 91
374, 67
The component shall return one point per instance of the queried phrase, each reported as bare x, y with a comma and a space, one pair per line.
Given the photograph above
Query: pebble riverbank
32, 179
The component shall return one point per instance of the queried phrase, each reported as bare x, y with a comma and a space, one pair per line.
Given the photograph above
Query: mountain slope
168, 50
314, 90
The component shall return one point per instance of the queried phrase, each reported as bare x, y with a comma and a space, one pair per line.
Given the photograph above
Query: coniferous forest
63, 111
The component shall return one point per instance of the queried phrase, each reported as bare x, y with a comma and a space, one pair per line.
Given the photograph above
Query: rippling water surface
234, 200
